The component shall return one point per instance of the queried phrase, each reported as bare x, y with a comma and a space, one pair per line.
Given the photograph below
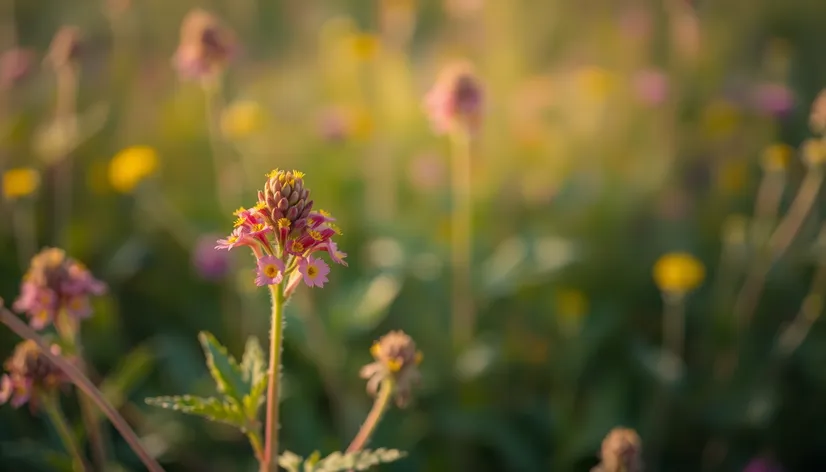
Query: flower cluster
29, 373
54, 284
284, 233
396, 358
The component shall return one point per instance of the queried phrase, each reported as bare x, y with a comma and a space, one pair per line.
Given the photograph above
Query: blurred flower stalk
455, 106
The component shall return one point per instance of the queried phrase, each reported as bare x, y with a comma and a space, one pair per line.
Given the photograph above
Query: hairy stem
374, 417
85, 385
51, 406
270, 462
461, 238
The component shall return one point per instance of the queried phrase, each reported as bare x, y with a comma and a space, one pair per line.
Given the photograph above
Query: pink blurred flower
455, 100
774, 99
427, 171
209, 263
53, 284
29, 373
314, 271
15, 65
651, 86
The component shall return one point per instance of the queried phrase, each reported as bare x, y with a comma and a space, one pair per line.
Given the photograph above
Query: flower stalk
270, 462
461, 237
380, 406
85, 385
51, 406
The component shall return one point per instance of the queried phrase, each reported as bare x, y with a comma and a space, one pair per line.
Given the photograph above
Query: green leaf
339, 462
225, 370
255, 399
210, 408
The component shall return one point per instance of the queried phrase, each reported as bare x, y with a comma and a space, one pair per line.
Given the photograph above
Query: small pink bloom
335, 255
774, 99
651, 87
314, 271
270, 271
238, 237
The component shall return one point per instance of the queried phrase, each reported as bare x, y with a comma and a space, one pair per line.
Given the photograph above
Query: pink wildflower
455, 100
270, 271
314, 271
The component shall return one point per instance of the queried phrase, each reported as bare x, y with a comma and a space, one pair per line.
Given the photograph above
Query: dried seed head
456, 100
817, 116
622, 451
286, 199
29, 372
396, 357
205, 47
55, 283
66, 47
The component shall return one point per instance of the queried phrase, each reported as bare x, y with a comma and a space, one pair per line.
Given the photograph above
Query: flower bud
205, 47
456, 100
286, 198
395, 357
66, 48
621, 451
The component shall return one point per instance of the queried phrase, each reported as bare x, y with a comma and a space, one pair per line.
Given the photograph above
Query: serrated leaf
210, 408
225, 370
253, 364
359, 460
255, 399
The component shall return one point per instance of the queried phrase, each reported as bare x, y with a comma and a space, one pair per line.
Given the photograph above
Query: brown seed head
622, 451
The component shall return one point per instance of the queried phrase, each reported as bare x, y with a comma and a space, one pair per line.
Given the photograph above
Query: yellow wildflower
20, 182
677, 273
130, 166
242, 119
364, 46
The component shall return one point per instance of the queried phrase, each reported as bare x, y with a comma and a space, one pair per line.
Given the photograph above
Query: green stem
83, 384
381, 404
674, 324
256, 443
270, 462
51, 406
461, 238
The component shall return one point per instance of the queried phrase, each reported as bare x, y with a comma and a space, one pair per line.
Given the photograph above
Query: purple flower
209, 263
56, 284
773, 99
270, 271
29, 373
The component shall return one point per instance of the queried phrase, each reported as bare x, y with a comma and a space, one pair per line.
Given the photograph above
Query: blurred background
613, 132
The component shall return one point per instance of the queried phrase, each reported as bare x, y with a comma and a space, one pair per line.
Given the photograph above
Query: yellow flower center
312, 271
315, 235
270, 270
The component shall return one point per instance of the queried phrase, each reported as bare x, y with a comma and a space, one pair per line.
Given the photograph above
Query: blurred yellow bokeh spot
20, 182
130, 166
677, 273
364, 46
242, 119
777, 157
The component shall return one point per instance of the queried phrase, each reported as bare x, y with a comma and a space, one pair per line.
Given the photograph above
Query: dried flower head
678, 273
456, 100
66, 48
621, 451
398, 359
206, 46
29, 373
813, 152
817, 116
15, 65
55, 284
284, 233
